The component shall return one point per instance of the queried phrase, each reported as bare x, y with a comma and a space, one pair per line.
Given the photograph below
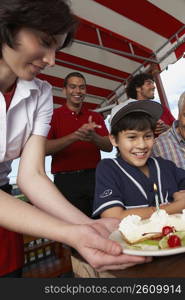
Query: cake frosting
134, 229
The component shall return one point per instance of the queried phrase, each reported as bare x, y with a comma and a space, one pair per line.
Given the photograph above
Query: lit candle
156, 197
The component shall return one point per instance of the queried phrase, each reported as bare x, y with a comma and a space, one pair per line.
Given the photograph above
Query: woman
30, 34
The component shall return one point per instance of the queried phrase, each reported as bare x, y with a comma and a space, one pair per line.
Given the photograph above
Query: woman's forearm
41, 191
22, 217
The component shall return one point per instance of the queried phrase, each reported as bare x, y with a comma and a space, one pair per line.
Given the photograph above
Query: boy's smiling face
135, 146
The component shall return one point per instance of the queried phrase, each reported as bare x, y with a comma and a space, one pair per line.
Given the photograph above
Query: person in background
171, 144
5, 169
30, 34
142, 87
125, 185
75, 139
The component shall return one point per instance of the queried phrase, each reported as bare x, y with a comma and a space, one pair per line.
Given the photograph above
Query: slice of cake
135, 230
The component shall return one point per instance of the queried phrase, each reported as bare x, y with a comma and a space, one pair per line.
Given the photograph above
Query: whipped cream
133, 227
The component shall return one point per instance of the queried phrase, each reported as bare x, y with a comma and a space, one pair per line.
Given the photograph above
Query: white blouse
29, 113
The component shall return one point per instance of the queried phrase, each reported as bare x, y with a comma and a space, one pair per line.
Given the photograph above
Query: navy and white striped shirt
121, 184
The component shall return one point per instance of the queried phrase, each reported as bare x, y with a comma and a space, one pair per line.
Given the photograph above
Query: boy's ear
113, 140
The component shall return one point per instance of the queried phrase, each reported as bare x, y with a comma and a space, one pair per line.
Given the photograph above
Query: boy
125, 185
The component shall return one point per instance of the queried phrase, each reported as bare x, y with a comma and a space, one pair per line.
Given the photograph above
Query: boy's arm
120, 213
178, 205
145, 212
179, 196
174, 207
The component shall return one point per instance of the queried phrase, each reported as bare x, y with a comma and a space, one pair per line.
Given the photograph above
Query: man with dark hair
73, 74
142, 87
75, 139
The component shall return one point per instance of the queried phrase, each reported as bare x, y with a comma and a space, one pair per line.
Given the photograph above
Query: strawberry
174, 241
167, 229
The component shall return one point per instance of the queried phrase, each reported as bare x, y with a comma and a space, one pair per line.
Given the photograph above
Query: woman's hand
100, 252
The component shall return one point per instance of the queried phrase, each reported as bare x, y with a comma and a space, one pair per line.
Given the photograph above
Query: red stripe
90, 64
94, 90
62, 101
109, 38
146, 14
54, 81
58, 82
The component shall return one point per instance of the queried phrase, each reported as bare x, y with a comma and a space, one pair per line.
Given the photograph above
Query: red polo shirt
79, 155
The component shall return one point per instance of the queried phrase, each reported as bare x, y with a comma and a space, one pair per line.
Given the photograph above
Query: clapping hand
87, 131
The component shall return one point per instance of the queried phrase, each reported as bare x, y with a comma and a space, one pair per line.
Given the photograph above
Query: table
167, 267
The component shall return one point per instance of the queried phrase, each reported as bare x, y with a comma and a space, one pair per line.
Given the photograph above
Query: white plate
116, 236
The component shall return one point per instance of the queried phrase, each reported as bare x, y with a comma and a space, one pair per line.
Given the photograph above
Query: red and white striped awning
117, 39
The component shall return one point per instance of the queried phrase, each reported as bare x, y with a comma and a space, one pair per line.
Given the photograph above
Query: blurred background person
142, 87
171, 144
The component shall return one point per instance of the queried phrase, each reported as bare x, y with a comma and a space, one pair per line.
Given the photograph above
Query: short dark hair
73, 74
137, 81
52, 17
134, 121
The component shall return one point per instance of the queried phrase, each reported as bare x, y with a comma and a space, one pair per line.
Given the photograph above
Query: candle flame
155, 187
156, 198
